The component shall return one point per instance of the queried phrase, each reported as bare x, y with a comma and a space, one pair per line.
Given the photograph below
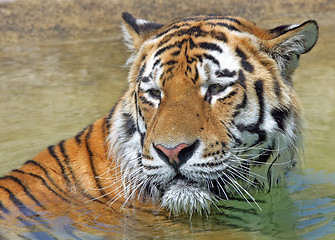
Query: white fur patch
181, 197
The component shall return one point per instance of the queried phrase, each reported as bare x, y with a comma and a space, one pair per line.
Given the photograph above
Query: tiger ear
136, 31
289, 42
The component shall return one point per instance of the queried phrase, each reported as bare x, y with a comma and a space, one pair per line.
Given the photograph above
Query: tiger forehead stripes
210, 111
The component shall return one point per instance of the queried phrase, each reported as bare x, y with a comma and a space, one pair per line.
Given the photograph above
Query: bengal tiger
210, 111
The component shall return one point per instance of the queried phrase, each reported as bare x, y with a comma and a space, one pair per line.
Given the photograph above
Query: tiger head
210, 109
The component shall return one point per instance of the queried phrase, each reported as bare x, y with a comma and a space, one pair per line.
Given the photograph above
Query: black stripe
225, 73
210, 46
143, 57
199, 57
265, 155
259, 92
169, 74
172, 27
139, 114
177, 44
67, 162
247, 66
225, 25
160, 51
46, 174
241, 79
231, 19
91, 156
279, 115
211, 58
188, 69
145, 101
231, 94
191, 43
219, 36
79, 187
129, 124
268, 175
25, 189
177, 24
156, 63
190, 59
138, 110
22, 208
140, 74
196, 77
44, 183
78, 136
171, 62
231, 135
3, 208
254, 128
145, 79
243, 103
218, 17
170, 69
175, 53
206, 18
277, 88
52, 152
240, 53
195, 31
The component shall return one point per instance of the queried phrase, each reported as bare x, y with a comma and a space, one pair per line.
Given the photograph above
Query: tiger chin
210, 111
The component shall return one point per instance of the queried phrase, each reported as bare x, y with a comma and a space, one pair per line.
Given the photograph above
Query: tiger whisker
223, 190
240, 176
110, 169
249, 172
131, 195
238, 188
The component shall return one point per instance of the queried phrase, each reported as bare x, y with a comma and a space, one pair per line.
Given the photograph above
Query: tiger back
210, 111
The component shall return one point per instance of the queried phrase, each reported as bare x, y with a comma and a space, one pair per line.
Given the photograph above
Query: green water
49, 91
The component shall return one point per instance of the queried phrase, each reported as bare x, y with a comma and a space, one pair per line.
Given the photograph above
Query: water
49, 91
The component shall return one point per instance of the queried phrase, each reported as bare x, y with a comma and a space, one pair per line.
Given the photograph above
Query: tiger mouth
217, 187
180, 177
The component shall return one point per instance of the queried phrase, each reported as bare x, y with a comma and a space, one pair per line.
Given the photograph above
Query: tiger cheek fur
210, 111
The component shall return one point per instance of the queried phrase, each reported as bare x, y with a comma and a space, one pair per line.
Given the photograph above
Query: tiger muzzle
178, 155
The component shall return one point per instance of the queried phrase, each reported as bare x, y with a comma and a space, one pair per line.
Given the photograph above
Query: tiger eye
215, 88
155, 93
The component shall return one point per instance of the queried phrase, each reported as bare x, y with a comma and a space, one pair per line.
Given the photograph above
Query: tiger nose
177, 155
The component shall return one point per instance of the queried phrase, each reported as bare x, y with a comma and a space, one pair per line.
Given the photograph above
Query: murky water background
50, 90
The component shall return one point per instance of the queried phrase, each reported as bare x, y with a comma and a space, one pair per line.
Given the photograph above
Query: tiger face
210, 109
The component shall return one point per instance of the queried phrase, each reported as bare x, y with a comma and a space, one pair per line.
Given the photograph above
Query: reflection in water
51, 91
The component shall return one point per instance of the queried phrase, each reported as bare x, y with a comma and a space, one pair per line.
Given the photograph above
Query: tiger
210, 112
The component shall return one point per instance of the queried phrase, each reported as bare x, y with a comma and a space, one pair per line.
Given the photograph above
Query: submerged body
210, 111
